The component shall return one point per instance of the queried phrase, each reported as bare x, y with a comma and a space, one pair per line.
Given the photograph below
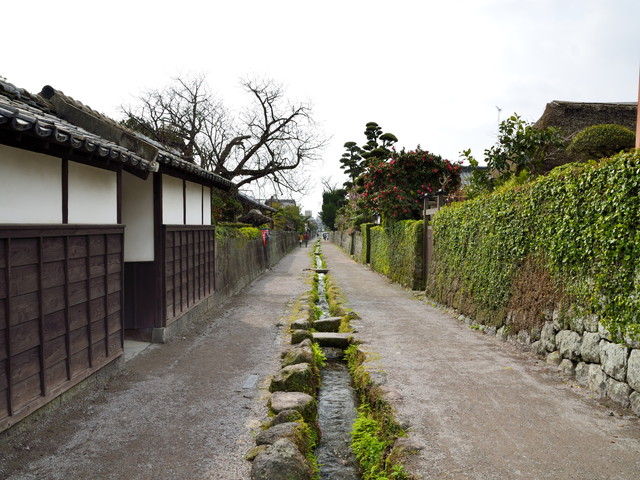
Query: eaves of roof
30, 118
254, 203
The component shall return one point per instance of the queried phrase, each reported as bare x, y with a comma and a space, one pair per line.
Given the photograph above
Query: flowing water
336, 408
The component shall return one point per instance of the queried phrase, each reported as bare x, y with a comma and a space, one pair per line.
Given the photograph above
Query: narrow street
180, 411
478, 407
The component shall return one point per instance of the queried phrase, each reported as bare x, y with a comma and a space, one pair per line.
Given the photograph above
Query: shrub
576, 229
598, 141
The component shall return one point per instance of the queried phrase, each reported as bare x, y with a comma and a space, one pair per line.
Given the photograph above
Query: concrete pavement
478, 407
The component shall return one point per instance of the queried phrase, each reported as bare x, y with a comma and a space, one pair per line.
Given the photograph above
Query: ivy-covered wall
396, 251
567, 244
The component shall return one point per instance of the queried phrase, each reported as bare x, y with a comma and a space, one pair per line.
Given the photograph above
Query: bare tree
270, 142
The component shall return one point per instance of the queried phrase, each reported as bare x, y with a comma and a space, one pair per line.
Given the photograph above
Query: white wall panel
93, 195
206, 206
137, 216
194, 203
30, 187
172, 201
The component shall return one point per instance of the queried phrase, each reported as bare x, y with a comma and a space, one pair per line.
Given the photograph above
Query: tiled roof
42, 115
29, 114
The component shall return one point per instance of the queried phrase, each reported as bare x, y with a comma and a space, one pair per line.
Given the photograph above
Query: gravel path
179, 410
479, 407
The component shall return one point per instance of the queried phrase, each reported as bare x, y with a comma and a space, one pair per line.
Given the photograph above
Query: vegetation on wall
577, 227
396, 251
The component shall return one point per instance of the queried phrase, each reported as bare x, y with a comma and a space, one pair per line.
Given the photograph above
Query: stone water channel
336, 406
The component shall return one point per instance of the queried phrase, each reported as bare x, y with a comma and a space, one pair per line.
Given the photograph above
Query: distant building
276, 202
308, 213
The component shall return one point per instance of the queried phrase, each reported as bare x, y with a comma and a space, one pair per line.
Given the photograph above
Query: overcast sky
433, 73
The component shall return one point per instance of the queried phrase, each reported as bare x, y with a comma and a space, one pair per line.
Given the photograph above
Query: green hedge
571, 237
396, 251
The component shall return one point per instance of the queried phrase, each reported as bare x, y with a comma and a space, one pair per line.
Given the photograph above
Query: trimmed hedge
573, 235
396, 251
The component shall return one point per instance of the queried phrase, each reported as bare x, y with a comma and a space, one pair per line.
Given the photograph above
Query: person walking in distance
306, 239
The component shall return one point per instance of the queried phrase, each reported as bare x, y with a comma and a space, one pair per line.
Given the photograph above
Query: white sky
431, 72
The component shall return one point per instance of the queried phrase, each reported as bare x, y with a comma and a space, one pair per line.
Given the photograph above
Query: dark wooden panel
78, 316
79, 363
97, 266
53, 249
55, 328
77, 247
3, 316
98, 245
77, 269
53, 274
78, 340
3, 378
25, 364
3, 282
25, 336
54, 325
56, 375
98, 288
3, 345
25, 391
24, 279
114, 244
55, 350
97, 309
23, 251
114, 303
77, 293
53, 300
24, 308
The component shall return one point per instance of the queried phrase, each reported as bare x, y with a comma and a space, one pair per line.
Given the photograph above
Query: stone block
597, 379
301, 324
613, 358
294, 378
297, 355
554, 358
339, 340
568, 343
576, 324
279, 462
567, 366
634, 400
538, 348
548, 337
301, 402
633, 370
293, 431
591, 323
582, 373
330, 324
590, 347
298, 336
618, 391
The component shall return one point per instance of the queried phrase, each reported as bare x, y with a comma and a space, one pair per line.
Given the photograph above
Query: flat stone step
339, 340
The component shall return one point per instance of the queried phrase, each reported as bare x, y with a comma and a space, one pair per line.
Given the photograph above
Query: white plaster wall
206, 206
194, 203
173, 212
93, 195
30, 187
137, 216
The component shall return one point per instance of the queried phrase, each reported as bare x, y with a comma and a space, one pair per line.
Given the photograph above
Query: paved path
179, 411
480, 408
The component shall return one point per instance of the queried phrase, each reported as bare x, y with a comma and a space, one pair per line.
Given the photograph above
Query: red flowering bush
394, 188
